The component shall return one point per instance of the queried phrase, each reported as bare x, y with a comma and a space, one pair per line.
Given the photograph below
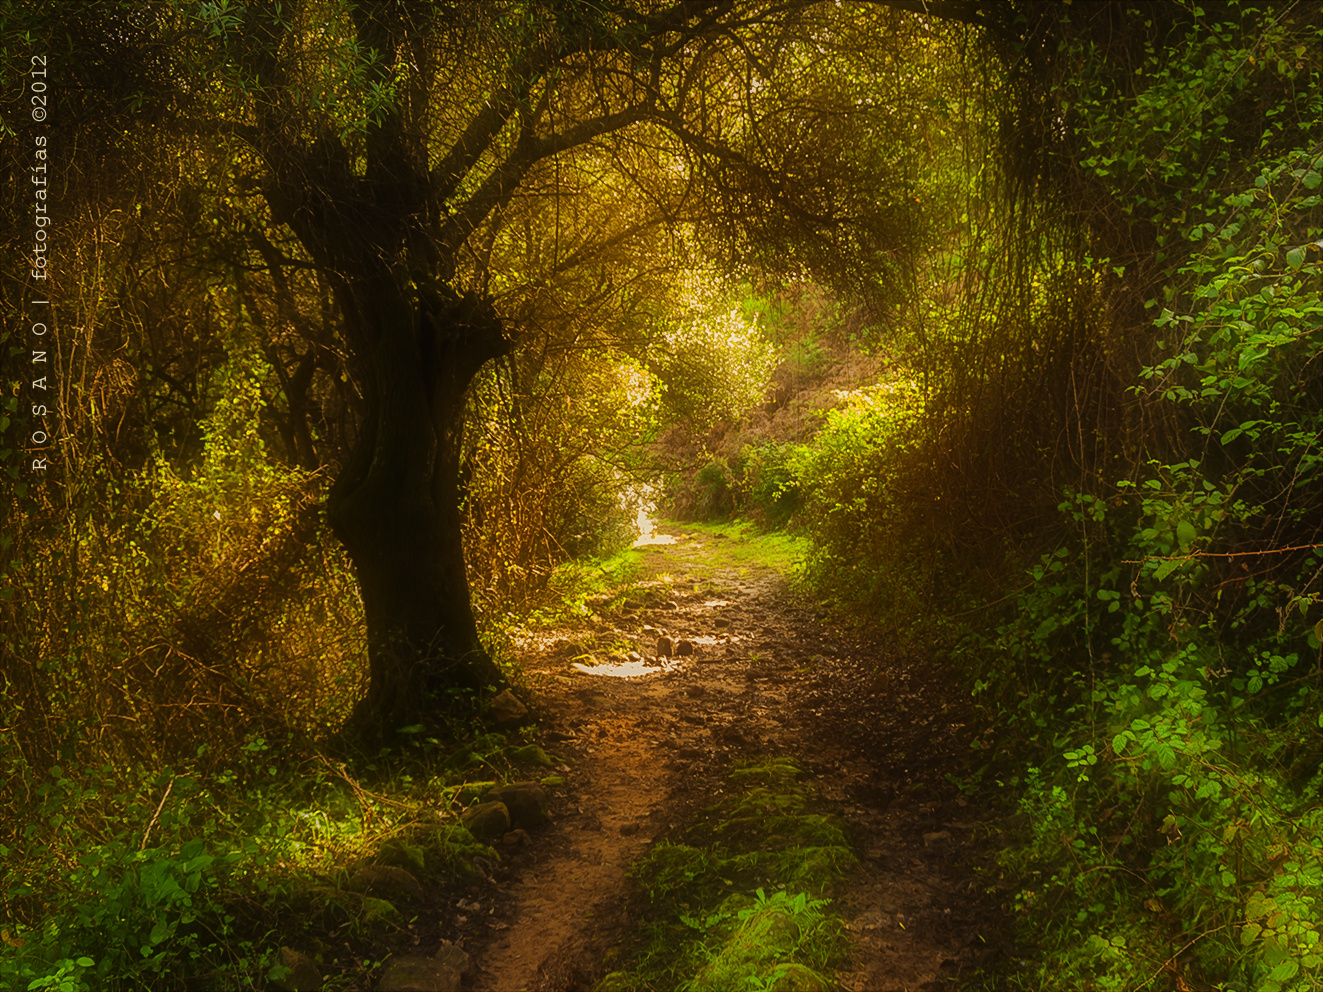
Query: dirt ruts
882, 734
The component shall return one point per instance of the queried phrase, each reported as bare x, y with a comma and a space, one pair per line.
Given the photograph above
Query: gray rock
515, 838
507, 710
487, 821
304, 975
526, 802
412, 974
684, 649
386, 881
449, 954
664, 647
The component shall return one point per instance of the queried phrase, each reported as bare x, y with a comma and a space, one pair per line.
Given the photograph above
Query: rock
651, 632
411, 974
525, 801
449, 954
936, 837
304, 975
720, 622
387, 881
471, 791
507, 710
635, 657
531, 754
664, 647
487, 821
399, 852
684, 649
629, 829
694, 691
515, 838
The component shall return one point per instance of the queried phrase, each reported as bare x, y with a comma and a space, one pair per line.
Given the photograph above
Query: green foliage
860, 508
552, 468
713, 363
203, 869
1165, 658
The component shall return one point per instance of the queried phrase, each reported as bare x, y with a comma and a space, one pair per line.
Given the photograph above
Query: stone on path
664, 647
507, 710
487, 821
515, 838
387, 881
526, 802
684, 649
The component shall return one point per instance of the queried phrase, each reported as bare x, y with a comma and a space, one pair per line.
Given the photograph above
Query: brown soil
883, 736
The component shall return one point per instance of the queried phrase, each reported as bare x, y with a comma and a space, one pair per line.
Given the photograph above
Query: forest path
877, 733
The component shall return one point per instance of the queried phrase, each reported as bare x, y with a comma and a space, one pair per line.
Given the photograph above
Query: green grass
741, 902
739, 544
580, 587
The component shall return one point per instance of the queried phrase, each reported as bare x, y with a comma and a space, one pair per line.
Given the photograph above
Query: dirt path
877, 732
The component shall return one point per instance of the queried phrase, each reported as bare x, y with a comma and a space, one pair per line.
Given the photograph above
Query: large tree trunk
395, 505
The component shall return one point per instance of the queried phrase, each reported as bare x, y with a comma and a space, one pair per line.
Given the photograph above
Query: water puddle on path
630, 669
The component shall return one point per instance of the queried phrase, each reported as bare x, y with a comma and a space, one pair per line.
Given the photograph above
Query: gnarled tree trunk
395, 505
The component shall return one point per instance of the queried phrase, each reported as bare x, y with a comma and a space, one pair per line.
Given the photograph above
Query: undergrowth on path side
202, 870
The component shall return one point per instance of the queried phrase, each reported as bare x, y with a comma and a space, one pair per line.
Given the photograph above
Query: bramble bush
1167, 660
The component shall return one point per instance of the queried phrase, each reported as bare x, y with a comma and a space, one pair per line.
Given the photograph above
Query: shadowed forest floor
641, 755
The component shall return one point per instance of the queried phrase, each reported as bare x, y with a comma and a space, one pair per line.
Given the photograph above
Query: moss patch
711, 923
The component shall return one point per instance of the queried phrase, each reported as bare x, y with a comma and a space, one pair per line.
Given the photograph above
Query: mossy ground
709, 922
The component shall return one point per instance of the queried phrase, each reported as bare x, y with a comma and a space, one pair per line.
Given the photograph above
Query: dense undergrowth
739, 901
198, 872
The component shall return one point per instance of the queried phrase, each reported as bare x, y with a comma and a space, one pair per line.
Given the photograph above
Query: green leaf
1295, 257
1285, 971
1166, 568
1311, 179
1185, 533
1166, 756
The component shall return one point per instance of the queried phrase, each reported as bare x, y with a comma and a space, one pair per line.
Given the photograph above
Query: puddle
629, 669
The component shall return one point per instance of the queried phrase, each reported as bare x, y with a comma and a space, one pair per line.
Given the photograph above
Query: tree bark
395, 505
